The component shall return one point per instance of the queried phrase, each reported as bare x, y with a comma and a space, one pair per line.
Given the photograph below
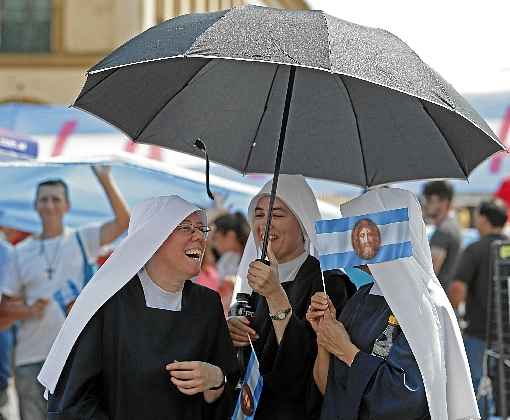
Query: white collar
156, 297
287, 271
376, 290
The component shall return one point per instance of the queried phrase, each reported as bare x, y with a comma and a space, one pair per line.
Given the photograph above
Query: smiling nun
284, 342
142, 341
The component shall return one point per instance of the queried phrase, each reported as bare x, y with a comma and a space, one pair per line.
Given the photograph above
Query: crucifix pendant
49, 273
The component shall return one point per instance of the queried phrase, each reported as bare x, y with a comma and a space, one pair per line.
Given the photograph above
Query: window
25, 26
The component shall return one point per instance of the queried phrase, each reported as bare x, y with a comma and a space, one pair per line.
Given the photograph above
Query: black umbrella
354, 104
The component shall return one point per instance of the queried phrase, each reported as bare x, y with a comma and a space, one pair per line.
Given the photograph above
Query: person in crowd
48, 273
6, 335
159, 342
473, 280
229, 236
445, 242
284, 342
395, 351
208, 276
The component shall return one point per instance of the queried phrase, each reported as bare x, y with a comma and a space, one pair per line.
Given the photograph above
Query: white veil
151, 222
423, 310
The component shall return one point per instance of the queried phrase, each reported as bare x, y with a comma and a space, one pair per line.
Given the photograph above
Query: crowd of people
151, 333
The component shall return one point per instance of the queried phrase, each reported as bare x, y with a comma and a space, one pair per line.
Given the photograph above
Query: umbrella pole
279, 154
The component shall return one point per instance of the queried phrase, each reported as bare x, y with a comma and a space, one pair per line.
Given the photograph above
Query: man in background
472, 282
48, 273
445, 242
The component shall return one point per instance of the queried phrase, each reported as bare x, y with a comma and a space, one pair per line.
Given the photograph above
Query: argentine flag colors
365, 239
251, 389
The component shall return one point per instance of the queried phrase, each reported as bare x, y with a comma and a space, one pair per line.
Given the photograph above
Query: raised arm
111, 230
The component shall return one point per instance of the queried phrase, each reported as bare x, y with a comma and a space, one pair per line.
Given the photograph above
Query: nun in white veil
422, 371
142, 341
284, 342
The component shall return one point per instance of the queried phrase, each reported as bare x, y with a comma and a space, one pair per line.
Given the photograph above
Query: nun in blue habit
395, 352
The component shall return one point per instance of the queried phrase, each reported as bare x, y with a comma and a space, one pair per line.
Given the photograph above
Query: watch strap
215, 388
280, 315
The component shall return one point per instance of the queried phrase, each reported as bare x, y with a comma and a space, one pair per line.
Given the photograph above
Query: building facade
46, 46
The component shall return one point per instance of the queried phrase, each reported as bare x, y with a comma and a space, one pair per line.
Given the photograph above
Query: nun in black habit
396, 351
142, 341
284, 342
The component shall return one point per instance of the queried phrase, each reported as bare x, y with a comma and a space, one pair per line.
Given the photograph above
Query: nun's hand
264, 278
239, 329
191, 378
319, 303
333, 337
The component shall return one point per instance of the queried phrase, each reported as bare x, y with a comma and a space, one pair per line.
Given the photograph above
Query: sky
467, 42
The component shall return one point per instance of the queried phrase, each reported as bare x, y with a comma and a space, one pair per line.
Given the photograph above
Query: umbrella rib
337, 79
170, 100
95, 86
445, 139
248, 158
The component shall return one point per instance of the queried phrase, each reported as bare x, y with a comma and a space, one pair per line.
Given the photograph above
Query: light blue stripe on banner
256, 396
348, 223
351, 259
251, 362
238, 414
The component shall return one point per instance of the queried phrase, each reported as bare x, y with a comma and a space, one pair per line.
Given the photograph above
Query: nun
395, 351
142, 340
284, 342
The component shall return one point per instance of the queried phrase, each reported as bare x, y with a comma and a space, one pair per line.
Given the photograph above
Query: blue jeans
6, 343
475, 350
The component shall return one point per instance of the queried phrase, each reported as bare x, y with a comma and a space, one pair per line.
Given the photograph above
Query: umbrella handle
200, 145
279, 154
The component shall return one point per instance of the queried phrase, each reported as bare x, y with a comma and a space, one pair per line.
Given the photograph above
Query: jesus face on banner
366, 239
247, 404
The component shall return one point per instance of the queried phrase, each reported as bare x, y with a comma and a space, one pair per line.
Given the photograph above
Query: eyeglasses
189, 229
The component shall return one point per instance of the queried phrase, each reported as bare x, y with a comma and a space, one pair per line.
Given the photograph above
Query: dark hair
235, 222
495, 211
53, 183
442, 189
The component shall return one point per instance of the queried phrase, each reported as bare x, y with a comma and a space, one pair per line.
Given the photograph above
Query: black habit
289, 390
116, 370
373, 388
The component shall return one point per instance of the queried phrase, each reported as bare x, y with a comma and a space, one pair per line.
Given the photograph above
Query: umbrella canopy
365, 109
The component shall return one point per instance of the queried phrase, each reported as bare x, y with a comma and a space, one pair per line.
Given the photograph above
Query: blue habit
373, 388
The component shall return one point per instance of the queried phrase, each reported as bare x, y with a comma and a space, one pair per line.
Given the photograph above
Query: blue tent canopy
137, 178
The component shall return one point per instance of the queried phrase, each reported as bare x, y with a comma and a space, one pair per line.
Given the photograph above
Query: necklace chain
50, 267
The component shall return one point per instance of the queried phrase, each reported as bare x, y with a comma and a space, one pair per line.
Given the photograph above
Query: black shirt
447, 237
474, 270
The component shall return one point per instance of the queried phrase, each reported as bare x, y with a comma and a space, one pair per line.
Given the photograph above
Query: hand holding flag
319, 305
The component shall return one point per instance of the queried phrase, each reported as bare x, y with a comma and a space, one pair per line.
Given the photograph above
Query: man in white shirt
49, 271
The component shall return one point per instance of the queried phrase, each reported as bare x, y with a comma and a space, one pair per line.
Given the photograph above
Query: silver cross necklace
50, 267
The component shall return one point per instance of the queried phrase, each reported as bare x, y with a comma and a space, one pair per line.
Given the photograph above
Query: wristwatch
222, 384
280, 315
